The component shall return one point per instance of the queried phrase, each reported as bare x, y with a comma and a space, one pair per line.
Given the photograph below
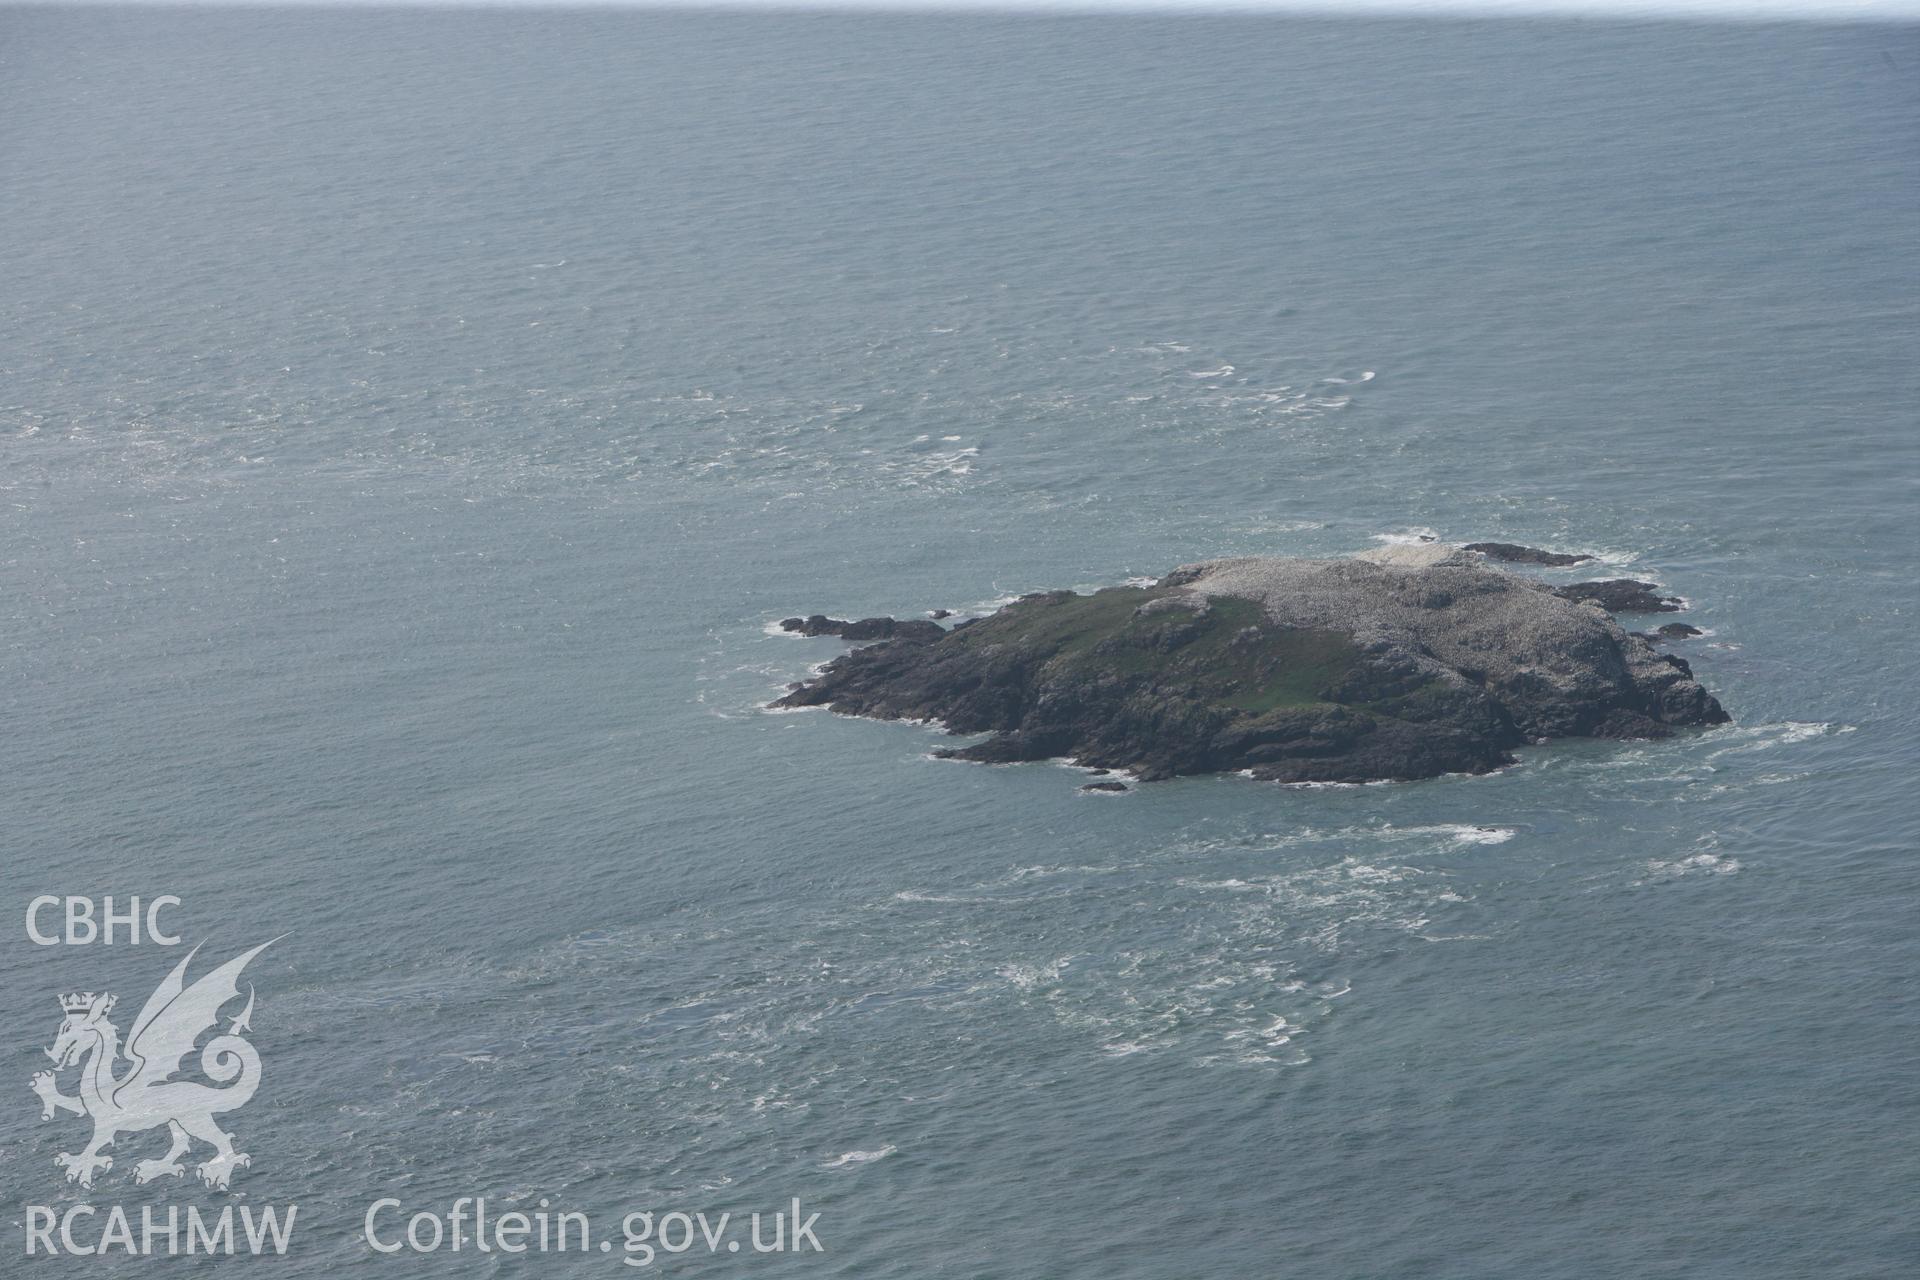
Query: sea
413, 424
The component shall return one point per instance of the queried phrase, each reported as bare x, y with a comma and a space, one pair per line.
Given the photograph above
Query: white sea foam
1763, 737
1453, 832
1710, 864
1413, 537
1028, 976
1277, 1032
935, 466
846, 1158
1367, 874
1480, 835
1605, 555
915, 895
1040, 872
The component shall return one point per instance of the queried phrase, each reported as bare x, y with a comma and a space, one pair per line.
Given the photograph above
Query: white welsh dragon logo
145, 1096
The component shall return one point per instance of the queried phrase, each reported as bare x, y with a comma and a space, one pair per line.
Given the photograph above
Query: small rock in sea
1622, 595
1104, 786
1679, 631
937, 614
1514, 553
820, 624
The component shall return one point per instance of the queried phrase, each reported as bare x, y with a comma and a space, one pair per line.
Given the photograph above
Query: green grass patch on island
1229, 654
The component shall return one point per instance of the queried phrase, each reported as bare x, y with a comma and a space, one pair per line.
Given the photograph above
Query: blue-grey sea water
411, 423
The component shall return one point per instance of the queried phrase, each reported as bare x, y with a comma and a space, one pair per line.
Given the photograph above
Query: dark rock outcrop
1670, 631
1514, 553
1622, 595
1406, 663
866, 629
1104, 786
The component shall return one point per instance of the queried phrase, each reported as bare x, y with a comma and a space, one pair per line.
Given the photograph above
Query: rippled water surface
411, 424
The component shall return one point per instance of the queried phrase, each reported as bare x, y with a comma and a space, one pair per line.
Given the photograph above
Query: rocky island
1397, 664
